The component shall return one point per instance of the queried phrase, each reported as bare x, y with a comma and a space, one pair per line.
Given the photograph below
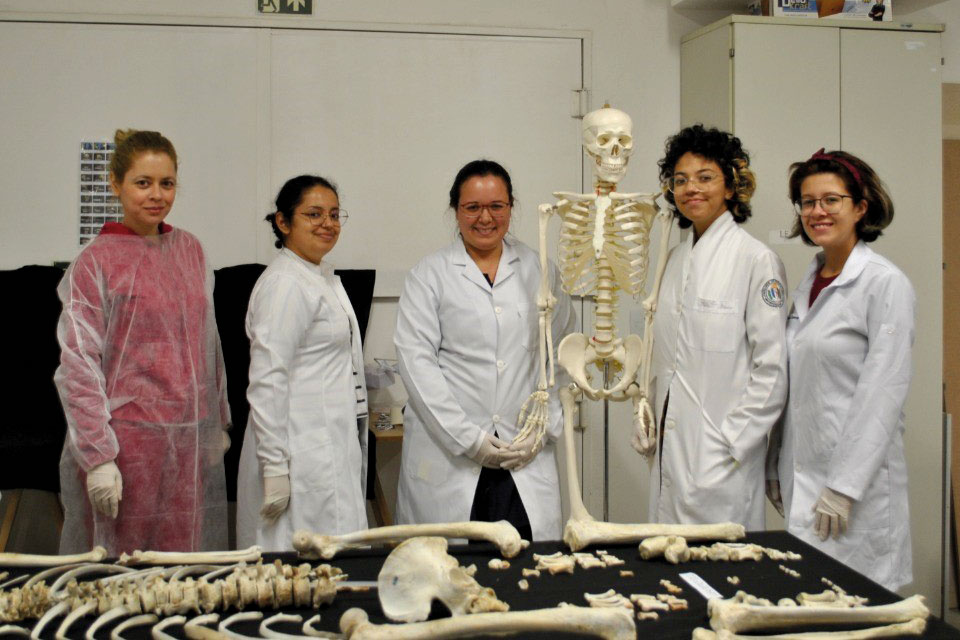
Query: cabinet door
891, 118
787, 105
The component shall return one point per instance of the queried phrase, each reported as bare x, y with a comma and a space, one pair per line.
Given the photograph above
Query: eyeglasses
701, 181
472, 210
337, 217
830, 204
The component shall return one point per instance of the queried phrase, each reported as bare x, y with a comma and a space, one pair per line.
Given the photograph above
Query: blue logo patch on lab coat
772, 293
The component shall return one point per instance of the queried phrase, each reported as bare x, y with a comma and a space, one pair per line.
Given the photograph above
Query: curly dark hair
861, 181
723, 148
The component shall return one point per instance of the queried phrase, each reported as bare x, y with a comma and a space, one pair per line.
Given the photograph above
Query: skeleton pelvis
576, 352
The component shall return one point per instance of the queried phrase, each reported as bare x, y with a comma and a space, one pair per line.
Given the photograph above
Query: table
762, 578
381, 512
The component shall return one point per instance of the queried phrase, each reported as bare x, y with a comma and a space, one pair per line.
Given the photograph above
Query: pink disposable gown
142, 383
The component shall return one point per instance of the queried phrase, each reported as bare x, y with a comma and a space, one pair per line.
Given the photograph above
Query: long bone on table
736, 616
610, 624
503, 534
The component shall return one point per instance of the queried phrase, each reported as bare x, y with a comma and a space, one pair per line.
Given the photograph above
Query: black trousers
497, 498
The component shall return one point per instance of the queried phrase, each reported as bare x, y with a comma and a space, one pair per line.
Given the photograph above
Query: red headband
820, 155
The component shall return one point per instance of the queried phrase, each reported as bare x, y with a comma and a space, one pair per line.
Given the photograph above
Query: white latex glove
773, 495
225, 437
832, 513
528, 450
276, 497
105, 488
492, 452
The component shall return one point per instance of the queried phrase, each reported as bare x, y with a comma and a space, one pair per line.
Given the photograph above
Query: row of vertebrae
259, 586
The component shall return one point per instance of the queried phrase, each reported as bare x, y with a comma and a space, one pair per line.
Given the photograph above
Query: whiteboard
388, 116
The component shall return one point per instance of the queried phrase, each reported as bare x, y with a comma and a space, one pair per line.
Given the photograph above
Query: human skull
420, 570
608, 139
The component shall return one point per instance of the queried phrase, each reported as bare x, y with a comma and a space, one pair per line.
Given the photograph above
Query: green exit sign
304, 7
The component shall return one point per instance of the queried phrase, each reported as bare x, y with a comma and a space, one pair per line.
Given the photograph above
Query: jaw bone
503, 534
420, 570
610, 624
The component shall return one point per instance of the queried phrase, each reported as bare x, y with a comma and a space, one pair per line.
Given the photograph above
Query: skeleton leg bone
735, 616
913, 627
503, 534
611, 624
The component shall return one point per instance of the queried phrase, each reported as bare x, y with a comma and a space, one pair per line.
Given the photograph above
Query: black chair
32, 437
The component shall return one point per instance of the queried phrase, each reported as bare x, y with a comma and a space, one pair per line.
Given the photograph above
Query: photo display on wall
97, 202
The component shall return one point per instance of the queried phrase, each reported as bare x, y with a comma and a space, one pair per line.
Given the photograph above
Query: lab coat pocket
529, 325
312, 463
715, 325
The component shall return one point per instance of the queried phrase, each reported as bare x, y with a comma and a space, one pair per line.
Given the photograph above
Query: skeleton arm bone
502, 534
914, 627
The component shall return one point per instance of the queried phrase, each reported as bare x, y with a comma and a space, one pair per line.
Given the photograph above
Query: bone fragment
669, 586
831, 598
197, 632
523, 584
736, 616
672, 601
267, 632
503, 534
97, 554
778, 556
673, 548
555, 563
498, 565
647, 602
420, 570
610, 624
251, 554
648, 615
734, 580
789, 571
588, 560
610, 560
530, 573
626, 573
913, 627
608, 598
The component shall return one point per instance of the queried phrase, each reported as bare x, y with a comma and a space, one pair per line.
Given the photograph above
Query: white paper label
700, 585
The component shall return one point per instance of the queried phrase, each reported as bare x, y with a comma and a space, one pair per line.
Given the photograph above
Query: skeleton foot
420, 570
502, 533
611, 624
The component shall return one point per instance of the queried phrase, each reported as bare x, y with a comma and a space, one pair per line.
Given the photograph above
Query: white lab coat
307, 407
469, 359
719, 351
849, 373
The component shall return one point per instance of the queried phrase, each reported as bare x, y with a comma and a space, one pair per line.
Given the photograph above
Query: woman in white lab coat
842, 470
719, 357
303, 460
467, 341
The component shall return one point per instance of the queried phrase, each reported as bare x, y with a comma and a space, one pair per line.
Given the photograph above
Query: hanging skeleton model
604, 250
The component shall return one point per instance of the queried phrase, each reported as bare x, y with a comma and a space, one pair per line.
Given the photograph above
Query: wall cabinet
787, 88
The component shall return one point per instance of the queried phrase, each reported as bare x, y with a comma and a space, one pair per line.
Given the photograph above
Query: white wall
634, 64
